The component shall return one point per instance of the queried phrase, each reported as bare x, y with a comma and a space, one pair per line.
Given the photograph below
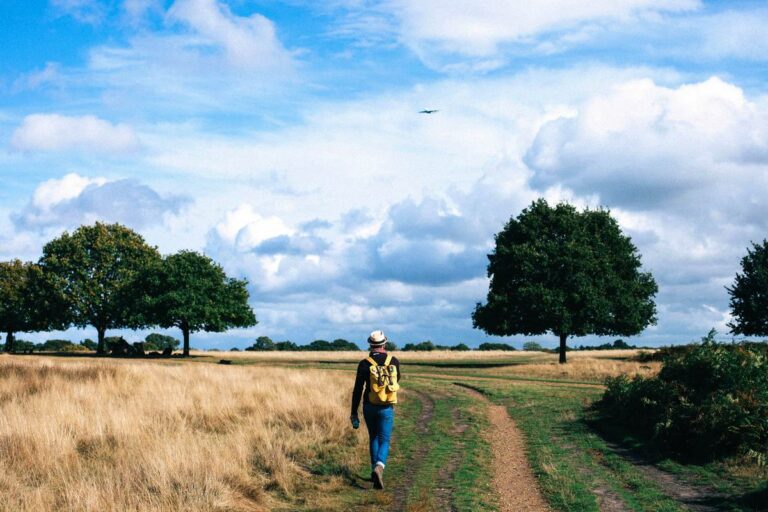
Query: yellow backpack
383, 386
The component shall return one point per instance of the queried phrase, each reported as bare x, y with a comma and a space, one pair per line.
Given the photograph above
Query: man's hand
355, 421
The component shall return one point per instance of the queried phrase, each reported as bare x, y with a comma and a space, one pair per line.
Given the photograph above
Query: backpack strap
388, 360
372, 361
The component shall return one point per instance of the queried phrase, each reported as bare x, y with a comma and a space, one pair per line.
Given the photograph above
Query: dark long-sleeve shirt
362, 380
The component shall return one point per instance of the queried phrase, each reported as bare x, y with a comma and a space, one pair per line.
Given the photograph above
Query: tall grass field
103, 435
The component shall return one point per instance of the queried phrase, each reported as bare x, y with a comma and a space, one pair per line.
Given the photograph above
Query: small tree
342, 344
532, 346
286, 346
749, 294
495, 346
157, 341
190, 291
23, 307
566, 272
89, 344
95, 270
263, 343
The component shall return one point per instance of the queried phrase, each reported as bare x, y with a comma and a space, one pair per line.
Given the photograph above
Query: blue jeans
379, 419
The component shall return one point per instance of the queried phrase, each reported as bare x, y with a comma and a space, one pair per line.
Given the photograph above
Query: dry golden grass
580, 369
588, 365
354, 356
106, 435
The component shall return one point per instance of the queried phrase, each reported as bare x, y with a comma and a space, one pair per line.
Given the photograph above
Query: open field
271, 432
106, 435
586, 366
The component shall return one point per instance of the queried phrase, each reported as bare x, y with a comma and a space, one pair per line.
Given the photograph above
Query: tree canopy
22, 307
749, 293
190, 291
566, 272
96, 268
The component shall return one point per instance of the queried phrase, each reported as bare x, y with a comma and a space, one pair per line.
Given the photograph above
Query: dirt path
513, 478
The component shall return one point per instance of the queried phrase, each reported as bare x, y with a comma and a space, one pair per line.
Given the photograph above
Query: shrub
22, 346
532, 346
74, 348
56, 345
495, 346
89, 344
709, 400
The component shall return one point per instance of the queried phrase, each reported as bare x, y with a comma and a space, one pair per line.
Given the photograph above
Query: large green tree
190, 291
749, 293
23, 306
567, 272
96, 268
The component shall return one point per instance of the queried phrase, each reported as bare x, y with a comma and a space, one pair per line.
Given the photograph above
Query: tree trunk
185, 330
101, 348
9, 342
563, 337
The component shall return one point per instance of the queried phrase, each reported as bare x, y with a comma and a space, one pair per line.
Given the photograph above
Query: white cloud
136, 10
643, 144
51, 73
54, 132
84, 11
468, 34
73, 200
245, 229
55, 191
248, 42
203, 58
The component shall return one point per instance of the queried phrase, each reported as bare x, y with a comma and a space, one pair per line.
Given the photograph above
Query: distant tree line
265, 343
153, 342
107, 277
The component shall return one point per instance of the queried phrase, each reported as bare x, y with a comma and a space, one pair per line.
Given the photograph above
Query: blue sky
283, 139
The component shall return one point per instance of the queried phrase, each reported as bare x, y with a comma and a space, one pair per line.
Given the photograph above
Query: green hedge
708, 401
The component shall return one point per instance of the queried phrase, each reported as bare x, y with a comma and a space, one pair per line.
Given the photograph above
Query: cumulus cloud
54, 132
643, 145
73, 200
244, 228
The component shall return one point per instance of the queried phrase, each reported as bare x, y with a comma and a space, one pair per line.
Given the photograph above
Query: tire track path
444, 490
401, 493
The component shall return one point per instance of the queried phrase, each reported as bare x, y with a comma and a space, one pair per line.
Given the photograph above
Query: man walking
377, 382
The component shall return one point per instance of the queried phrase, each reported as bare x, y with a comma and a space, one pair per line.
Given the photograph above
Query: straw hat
377, 339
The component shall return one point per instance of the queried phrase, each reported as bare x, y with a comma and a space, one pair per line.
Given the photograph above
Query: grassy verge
574, 465
737, 484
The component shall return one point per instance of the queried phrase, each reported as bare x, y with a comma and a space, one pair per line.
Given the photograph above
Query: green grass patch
438, 461
573, 463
